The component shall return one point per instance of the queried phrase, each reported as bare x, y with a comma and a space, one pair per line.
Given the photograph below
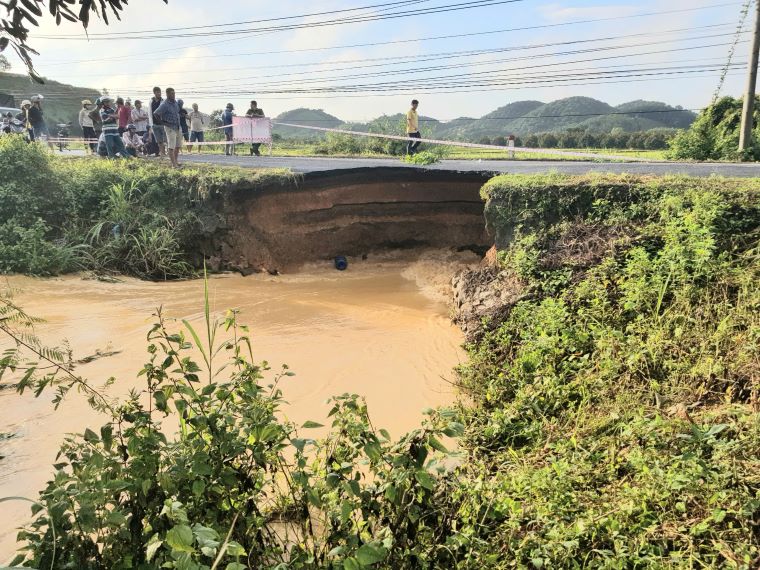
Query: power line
732, 50
260, 87
309, 25
409, 92
384, 6
396, 42
430, 56
508, 82
301, 80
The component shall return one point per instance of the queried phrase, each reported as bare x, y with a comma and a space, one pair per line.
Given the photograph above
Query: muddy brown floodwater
380, 329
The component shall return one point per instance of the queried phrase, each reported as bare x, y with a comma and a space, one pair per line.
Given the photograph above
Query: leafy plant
197, 470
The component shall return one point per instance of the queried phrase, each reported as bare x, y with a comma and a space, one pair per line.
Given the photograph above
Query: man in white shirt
197, 123
132, 141
88, 127
140, 118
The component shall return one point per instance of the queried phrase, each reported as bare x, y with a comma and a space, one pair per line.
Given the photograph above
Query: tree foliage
715, 134
21, 14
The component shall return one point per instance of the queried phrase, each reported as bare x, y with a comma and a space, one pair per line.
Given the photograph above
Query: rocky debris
484, 295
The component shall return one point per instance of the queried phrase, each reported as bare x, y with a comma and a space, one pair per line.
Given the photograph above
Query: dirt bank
350, 212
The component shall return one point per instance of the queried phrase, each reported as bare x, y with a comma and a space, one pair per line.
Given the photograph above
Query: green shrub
424, 157
200, 468
611, 418
134, 217
615, 420
715, 134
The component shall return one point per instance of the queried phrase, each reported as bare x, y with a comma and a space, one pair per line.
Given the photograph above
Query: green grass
614, 420
136, 217
609, 420
288, 149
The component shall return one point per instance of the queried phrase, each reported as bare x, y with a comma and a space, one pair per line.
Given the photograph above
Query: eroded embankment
350, 212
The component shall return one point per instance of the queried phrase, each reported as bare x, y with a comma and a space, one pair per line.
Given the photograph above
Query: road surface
317, 164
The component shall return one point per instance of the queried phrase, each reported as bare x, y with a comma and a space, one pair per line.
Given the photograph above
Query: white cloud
561, 13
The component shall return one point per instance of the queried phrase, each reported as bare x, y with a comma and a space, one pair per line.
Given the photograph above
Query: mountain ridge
520, 118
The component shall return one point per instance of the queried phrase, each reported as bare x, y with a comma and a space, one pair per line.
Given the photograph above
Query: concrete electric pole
745, 136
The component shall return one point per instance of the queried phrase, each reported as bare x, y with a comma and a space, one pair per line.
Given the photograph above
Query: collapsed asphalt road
317, 164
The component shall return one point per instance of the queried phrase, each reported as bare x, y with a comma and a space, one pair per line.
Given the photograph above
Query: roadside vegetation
610, 417
715, 134
134, 217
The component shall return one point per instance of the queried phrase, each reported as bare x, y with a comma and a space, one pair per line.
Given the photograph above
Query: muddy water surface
380, 329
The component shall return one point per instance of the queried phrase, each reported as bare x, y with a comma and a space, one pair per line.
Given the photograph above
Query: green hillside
307, 117
520, 118
495, 123
523, 118
62, 102
674, 117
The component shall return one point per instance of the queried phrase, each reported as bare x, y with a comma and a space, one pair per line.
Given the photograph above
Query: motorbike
63, 135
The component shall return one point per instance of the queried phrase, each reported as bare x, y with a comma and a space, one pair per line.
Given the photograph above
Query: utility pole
745, 136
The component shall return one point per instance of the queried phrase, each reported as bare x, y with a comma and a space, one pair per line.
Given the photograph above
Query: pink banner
252, 130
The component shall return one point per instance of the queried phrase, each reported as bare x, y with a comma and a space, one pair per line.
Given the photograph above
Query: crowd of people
30, 121
118, 128
114, 128
160, 128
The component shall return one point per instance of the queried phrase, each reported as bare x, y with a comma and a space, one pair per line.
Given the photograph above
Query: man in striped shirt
110, 117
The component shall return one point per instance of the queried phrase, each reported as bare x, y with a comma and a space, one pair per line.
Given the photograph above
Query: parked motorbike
63, 135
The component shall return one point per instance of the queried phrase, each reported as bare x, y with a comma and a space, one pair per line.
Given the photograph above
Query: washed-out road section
318, 164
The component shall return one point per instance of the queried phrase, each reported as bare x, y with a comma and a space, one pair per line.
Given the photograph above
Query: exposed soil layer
484, 296
353, 213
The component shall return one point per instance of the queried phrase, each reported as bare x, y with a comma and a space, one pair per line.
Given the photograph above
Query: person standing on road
110, 117
183, 120
23, 116
229, 148
413, 128
97, 122
37, 119
196, 127
168, 113
140, 119
158, 129
124, 113
254, 112
88, 127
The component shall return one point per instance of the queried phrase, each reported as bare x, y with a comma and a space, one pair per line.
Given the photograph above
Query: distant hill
491, 124
520, 118
61, 104
585, 113
308, 117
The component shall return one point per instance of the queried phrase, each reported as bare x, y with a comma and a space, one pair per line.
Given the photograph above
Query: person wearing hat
5, 124
37, 119
229, 148
110, 118
94, 114
132, 141
88, 128
23, 116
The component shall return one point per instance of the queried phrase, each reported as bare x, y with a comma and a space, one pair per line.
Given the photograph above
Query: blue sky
207, 69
